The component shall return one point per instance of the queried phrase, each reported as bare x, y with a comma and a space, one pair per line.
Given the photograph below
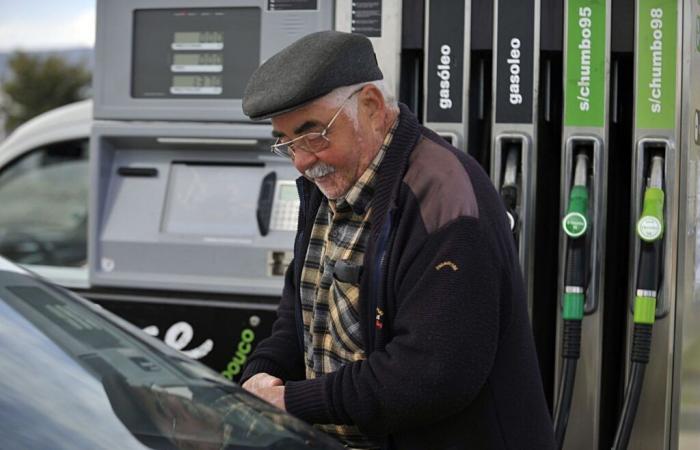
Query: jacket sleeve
279, 354
443, 344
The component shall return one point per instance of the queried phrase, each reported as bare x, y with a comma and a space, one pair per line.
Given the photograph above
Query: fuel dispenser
582, 238
646, 418
513, 129
189, 210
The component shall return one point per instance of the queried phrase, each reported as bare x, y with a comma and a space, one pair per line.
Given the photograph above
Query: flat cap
308, 69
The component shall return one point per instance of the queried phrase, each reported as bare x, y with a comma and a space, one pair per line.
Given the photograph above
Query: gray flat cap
308, 69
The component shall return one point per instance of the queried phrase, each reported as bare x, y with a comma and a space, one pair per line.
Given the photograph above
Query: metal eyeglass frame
312, 142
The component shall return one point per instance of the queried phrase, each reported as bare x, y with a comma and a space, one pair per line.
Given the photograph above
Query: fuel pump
661, 41
514, 120
650, 231
585, 153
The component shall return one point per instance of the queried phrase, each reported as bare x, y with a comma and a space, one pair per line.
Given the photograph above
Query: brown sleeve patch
441, 184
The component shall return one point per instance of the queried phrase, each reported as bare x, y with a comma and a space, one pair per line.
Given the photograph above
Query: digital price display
196, 85
197, 62
194, 53
198, 40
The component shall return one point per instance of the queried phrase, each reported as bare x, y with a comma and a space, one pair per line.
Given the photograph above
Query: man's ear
372, 101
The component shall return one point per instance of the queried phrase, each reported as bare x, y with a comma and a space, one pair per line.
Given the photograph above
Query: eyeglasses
313, 142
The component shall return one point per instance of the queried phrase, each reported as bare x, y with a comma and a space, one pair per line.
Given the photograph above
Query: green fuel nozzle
650, 226
575, 224
650, 229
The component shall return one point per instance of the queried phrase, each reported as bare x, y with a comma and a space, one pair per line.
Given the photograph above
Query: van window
43, 212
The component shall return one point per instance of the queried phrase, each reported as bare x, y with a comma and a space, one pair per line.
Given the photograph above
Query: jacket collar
394, 167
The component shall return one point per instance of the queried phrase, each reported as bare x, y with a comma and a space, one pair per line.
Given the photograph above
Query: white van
44, 194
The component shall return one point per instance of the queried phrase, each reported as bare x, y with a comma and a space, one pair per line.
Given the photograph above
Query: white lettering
584, 78
443, 73
178, 336
513, 62
656, 48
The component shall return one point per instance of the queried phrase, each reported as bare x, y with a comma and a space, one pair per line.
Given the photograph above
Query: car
75, 376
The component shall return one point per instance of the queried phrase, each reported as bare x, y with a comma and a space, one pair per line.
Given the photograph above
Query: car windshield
164, 399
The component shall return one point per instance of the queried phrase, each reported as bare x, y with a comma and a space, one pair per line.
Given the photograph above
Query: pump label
445, 65
574, 224
649, 228
656, 63
367, 18
585, 64
514, 68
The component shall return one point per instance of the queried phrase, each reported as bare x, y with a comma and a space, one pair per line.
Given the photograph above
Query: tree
38, 84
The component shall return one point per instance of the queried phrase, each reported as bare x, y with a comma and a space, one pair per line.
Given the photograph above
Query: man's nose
304, 160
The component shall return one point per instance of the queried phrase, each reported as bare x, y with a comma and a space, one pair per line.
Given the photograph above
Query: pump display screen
194, 53
197, 62
206, 201
198, 40
196, 84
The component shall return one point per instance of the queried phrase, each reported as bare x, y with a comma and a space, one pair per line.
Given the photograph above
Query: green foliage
38, 84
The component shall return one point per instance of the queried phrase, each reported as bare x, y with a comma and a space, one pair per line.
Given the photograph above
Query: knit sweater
450, 355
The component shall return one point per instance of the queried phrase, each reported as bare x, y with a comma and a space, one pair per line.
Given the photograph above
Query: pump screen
197, 62
198, 40
178, 51
212, 201
196, 84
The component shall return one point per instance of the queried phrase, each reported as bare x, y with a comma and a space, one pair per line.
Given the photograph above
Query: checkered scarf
331, 306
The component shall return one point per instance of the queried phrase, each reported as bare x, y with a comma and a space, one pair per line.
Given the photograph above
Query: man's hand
267, 387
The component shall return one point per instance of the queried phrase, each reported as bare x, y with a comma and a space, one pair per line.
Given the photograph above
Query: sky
46, 24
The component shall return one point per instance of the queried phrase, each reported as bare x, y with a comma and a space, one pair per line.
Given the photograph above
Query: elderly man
403, 321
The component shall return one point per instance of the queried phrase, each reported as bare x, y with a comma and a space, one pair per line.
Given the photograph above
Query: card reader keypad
285, 211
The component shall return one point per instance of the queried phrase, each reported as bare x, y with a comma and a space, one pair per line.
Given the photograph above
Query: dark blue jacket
451, 361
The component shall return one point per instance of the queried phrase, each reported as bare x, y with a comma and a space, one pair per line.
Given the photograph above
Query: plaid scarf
331, 302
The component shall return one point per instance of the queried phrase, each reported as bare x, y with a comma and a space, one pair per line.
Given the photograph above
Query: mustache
319, 170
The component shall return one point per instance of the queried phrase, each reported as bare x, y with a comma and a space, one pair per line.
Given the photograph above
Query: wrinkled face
352, 144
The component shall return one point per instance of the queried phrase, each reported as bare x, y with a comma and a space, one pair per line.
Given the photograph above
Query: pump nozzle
511, 172
581, 170
656, 178
509, 190
575, 222
650, 226
575, 225
650, 231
